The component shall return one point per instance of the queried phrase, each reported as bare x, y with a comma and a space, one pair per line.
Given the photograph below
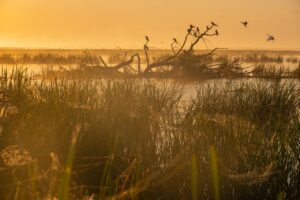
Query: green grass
137, 140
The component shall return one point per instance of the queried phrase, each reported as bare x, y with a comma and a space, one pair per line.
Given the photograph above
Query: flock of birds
269, 37
191, 28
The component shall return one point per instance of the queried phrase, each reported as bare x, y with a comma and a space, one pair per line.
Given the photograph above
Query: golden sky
123, 23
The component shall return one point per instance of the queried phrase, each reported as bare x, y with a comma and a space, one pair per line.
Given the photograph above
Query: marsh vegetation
123, 125
196, 65
142, 139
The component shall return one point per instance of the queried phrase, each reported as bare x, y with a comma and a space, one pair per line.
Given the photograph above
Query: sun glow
114, 23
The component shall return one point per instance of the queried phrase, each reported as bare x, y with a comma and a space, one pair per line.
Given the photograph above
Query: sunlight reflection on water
189, 88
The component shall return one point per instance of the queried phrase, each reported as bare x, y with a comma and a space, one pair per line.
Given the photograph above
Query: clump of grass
269, 72
296, 72
41, 58
292, 60
7, 58
251, 122
262, 58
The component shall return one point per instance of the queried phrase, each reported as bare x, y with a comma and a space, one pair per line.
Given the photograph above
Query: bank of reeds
136, 139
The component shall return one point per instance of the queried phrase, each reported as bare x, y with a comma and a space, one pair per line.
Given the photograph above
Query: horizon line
157, 49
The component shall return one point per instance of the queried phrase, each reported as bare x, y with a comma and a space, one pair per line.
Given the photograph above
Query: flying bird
214, 24
245, 23
270, 38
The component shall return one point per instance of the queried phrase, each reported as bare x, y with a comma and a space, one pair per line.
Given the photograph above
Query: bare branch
211, 52
205, 33
101, 59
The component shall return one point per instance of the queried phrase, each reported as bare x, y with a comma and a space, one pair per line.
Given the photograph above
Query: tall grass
137, 140
296, 72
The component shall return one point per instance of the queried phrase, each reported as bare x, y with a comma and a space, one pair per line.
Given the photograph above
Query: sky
124, 23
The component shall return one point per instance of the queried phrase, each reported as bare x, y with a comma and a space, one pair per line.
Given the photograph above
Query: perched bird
198, 30
192, 26
189, 30
175, 40
245, 23
147, 39
214, 24
270, 38
217, 32
207, 27
195, 34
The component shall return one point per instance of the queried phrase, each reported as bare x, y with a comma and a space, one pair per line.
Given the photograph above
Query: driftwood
123, 64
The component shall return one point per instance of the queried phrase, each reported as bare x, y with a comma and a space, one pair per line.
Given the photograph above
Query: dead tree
184, 49
191, 33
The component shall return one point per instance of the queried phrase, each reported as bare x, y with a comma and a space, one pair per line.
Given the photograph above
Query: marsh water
189, 87
288, 61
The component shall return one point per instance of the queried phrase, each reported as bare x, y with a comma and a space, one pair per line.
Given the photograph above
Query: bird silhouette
270, 38
217, 32
189, 30
245, 23
192, 26
175, 40
214, 24
207, 27
147, 39
195, 34
198, 30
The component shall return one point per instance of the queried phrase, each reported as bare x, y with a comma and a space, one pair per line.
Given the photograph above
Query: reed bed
137, 139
